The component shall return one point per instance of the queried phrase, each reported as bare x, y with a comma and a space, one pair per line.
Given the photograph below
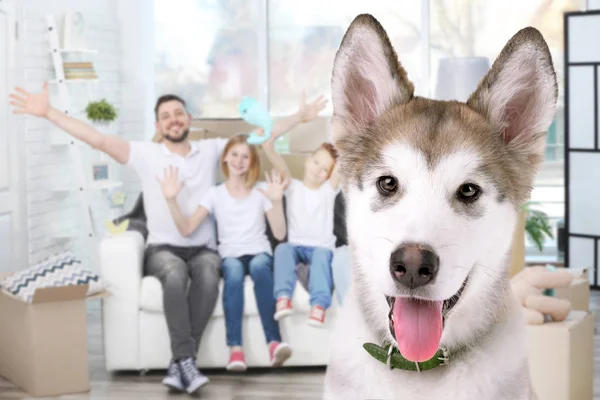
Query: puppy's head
433, 187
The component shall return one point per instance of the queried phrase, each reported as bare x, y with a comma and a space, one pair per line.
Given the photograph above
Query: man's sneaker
316, 316
279, 352
173, 378
191, 378
237, 362
283, 308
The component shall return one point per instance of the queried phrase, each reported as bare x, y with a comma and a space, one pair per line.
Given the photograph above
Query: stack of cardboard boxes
561, 354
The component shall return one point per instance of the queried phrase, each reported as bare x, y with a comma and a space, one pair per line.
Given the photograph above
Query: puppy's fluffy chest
485, 372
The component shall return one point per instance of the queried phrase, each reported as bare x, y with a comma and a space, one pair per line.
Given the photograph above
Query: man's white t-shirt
310, 214
241, 223
198, 169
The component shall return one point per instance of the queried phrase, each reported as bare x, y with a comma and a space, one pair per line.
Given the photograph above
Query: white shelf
59, 138
93, 186
56, 81
88, 51
63, 238
64, 189
81, 185
104, 185
57, 142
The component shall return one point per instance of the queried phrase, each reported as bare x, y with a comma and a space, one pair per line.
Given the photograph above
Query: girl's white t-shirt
310, 214
241, 224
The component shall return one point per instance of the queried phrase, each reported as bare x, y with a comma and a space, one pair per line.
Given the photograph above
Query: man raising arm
38, 104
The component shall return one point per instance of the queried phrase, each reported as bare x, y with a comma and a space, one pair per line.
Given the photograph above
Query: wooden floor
264, 384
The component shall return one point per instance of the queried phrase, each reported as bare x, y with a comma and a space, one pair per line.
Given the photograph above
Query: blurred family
189, 254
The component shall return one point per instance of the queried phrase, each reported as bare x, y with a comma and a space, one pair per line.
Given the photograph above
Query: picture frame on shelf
73, 35
100, 173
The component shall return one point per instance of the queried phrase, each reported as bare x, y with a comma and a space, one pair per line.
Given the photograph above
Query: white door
13, 232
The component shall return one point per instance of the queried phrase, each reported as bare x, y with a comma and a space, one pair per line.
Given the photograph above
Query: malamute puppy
433, 190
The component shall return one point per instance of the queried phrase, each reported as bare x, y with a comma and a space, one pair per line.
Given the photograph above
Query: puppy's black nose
414, 265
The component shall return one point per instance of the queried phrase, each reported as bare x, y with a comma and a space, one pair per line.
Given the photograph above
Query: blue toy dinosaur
255, 113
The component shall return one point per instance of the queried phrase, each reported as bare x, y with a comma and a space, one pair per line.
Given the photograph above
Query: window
206, 52
468, 29
555, 142
305, 36
214, 52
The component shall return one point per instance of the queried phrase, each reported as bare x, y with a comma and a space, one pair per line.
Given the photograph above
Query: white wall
137, 80
51, 215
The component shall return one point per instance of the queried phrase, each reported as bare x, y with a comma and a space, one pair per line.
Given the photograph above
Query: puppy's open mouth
417, 324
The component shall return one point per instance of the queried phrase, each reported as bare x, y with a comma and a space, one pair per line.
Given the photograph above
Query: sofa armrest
121, 266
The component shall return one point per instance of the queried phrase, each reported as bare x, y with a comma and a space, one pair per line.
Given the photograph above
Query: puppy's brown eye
468, 192
387, 185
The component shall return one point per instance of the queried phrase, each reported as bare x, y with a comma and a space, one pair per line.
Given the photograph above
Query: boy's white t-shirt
310, 214
241, 224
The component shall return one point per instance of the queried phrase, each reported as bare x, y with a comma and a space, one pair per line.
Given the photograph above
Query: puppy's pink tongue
418, 327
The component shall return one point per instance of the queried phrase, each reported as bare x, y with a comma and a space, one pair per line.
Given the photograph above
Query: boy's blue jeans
320, 281
260, 268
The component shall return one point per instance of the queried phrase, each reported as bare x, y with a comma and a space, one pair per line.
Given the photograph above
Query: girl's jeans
260, 269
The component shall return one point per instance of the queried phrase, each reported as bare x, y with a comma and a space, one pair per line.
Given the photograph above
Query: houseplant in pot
102, 115
537, 225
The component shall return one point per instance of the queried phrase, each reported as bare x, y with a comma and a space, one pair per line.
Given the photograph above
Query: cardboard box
517, 262
43, 345
561, 357
307, 137
578, 293
304, 138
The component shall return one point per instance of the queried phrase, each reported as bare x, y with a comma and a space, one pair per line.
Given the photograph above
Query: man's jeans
190, 282
320, 281
260, 269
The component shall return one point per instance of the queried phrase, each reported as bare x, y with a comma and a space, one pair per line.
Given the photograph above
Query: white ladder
82, 186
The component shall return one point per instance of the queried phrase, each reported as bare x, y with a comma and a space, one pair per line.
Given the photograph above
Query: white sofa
135, 332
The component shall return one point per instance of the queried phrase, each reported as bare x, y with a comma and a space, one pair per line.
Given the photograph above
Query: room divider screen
582, 147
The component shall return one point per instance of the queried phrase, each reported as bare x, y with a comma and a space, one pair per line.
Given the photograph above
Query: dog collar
391, 356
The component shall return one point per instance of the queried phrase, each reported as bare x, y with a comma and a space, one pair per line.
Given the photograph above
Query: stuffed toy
255, 113
533, 287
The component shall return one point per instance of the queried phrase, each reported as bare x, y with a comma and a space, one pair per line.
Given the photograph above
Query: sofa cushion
136, 217
151, 297
339, 220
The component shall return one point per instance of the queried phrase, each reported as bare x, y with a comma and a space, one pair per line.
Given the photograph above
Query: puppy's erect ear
367, 78
518, 94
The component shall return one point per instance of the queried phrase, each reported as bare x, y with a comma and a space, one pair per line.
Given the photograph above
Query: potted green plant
101, 113
537, 225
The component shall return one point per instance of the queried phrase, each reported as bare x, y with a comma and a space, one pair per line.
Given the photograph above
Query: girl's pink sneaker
237, 362
279, 352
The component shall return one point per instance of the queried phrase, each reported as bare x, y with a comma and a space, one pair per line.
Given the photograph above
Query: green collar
393, 359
